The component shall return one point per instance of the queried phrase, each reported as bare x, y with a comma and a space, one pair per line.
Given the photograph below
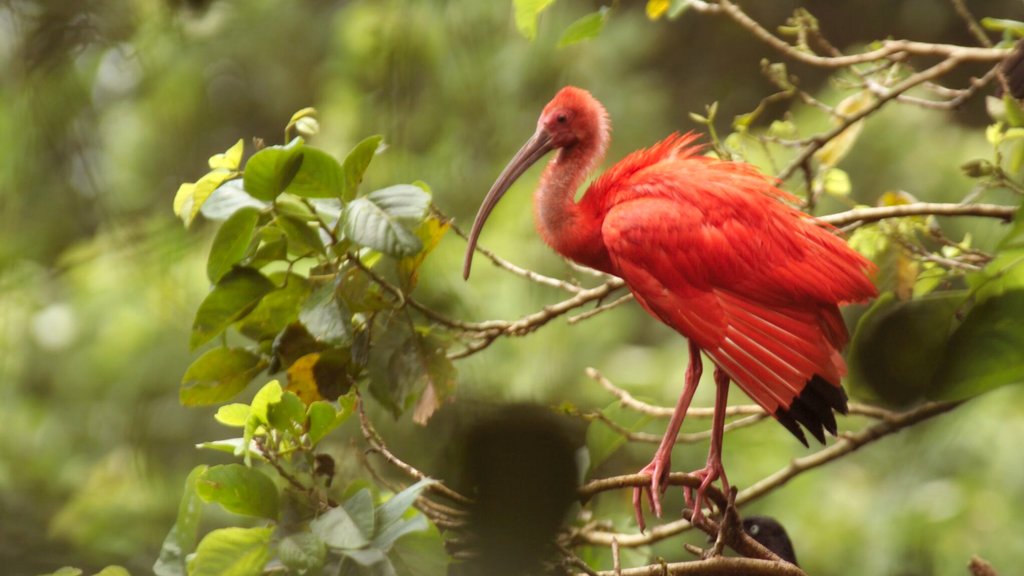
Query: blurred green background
107, 105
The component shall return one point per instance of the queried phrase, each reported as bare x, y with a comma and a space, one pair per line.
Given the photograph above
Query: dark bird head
770, 534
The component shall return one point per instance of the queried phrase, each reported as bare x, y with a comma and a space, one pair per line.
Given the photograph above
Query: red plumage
711, 248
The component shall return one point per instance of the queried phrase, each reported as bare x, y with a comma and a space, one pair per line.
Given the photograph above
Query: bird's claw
695, 498
658, 470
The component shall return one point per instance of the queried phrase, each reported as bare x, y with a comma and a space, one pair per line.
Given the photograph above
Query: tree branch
717, 566
891, 49
865, 215
846, 444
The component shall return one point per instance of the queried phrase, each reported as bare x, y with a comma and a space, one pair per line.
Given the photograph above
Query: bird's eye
754, 530
562, 118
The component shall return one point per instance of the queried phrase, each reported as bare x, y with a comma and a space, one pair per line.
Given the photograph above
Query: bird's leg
659, 466
713, 469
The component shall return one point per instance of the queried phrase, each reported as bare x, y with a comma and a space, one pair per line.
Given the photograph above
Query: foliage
331, 275
298, 269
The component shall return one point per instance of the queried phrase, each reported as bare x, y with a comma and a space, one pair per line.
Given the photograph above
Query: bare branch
891, 49
717, 566
848, 443
632, 403
865, 215
377, 445
602, 308
520, 271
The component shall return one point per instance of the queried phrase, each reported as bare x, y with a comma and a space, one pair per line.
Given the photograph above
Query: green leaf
302, 553
899, 345
218, 375
325, 317
1004, 273
269, 171
288, 415
232, 552
585, 28
395, 508
405, 201
360, 509
181, 540
602, 441
228, 198
387, 537
355, 165
526, 13
234, 296
239, 489
321, 176
114, 571
1015, 237
230, 445
277, 309
337, 529
375, 221
303, 239
421, 554
1015, 27
1014, 114
405, 365
271, 393
323, 417
986, 351
371, 557
233, 415
231, 243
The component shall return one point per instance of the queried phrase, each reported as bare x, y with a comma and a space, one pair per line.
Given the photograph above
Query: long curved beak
535, 148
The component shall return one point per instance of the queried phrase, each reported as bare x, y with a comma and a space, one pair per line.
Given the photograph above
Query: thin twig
602, 308
717, 566
890, 48
865, 215
377, 445
846, 444
520, 271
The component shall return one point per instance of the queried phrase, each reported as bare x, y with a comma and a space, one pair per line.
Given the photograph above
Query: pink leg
659, 466
713, 469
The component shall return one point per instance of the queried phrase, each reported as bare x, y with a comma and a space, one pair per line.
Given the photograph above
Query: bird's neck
566, 225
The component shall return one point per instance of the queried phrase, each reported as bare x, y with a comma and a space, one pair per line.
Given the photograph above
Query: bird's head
572, 120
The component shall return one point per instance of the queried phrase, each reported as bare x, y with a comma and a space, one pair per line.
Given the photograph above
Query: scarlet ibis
711, 248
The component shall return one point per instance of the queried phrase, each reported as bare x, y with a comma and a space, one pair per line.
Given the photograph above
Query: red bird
710, 248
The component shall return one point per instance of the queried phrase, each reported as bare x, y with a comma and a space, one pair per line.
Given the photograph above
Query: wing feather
708, 248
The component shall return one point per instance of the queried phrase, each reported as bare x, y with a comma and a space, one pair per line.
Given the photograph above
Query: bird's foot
658, 470
711, 471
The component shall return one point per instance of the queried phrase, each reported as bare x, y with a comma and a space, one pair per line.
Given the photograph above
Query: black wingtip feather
813, 409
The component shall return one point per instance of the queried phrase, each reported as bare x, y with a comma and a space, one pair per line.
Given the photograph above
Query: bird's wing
746, 279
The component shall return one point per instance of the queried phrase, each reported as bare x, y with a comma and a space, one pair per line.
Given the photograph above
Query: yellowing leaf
898, 198
231, 159
836, 149
430, 232
301, 380
320, 376
190, 197
657, 8
836, 182
526, 15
